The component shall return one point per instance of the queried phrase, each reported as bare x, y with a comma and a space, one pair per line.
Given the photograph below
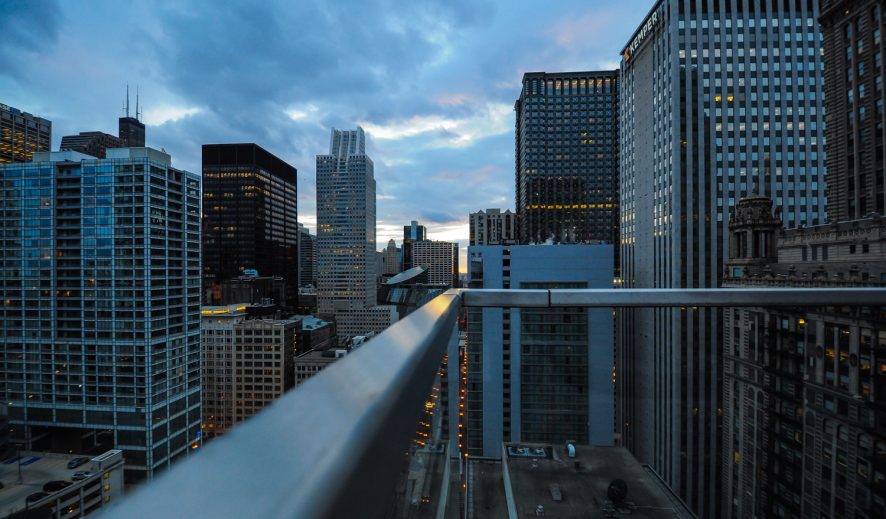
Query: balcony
336, 447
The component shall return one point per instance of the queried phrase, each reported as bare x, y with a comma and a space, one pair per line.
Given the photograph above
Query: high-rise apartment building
493, 227
853, 85
441, 259
537, 374
346, 256
249, 216
307, 257
567, 157
411, 233
246, 364
716, 100
804, 433
22, 135
100, 328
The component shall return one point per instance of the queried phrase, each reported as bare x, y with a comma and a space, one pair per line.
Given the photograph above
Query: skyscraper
493, 227
853, 79
100, 330
392, 261
567, 157
411, 233
307, 257
22, 135
131, 132
346, 256
249, 216
715, 101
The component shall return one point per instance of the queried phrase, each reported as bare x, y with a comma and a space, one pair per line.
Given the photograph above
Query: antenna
137, 115
127, 99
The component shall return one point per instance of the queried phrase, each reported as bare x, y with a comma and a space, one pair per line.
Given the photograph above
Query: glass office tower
100, 328
717, 100
567, 157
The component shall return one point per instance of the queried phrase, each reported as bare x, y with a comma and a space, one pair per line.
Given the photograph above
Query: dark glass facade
249, 217
554, 371
131, 132
567, 157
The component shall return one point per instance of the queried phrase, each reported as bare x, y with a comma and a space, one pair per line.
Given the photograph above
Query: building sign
644, 31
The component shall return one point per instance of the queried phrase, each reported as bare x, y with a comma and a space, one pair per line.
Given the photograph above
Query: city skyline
433, 86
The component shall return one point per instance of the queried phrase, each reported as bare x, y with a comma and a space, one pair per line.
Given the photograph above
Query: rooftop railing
332, 448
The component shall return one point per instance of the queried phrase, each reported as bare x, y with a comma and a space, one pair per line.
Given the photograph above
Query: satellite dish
618, 491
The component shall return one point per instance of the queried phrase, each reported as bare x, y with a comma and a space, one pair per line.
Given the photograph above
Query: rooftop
37, 469
545, 475
310, 322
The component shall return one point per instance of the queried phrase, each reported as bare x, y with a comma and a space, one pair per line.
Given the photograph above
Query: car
36, 496
55, 486
76, 462
80, 475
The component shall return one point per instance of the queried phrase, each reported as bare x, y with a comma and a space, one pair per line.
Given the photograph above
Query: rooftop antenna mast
127, 99
138, 114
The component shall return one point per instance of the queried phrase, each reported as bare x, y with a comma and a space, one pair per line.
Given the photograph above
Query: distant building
567, 157
493, 227
391, 258
249, 215
803, 388
246, 364
22, 135
79, 286
441, 259
131, 132
47, 489
312, 362
538, 374
316, 333
307, 257
95, 144
248, 289
346, 251
411, 233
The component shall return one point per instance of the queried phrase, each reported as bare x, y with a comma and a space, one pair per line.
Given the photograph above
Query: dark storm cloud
432, 82
25, 29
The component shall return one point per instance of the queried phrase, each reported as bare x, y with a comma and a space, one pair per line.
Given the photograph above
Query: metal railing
333, 447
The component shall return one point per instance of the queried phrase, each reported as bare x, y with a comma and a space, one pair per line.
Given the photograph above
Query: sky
433, 83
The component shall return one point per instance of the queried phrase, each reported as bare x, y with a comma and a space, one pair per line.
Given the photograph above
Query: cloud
166, 113
447, 131
434, 83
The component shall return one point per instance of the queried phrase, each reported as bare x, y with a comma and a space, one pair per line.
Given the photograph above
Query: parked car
55, 486
80, 475
76, 462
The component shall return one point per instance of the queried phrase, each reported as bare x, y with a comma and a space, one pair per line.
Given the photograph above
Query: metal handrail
329, 449
333, 447
673, 297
